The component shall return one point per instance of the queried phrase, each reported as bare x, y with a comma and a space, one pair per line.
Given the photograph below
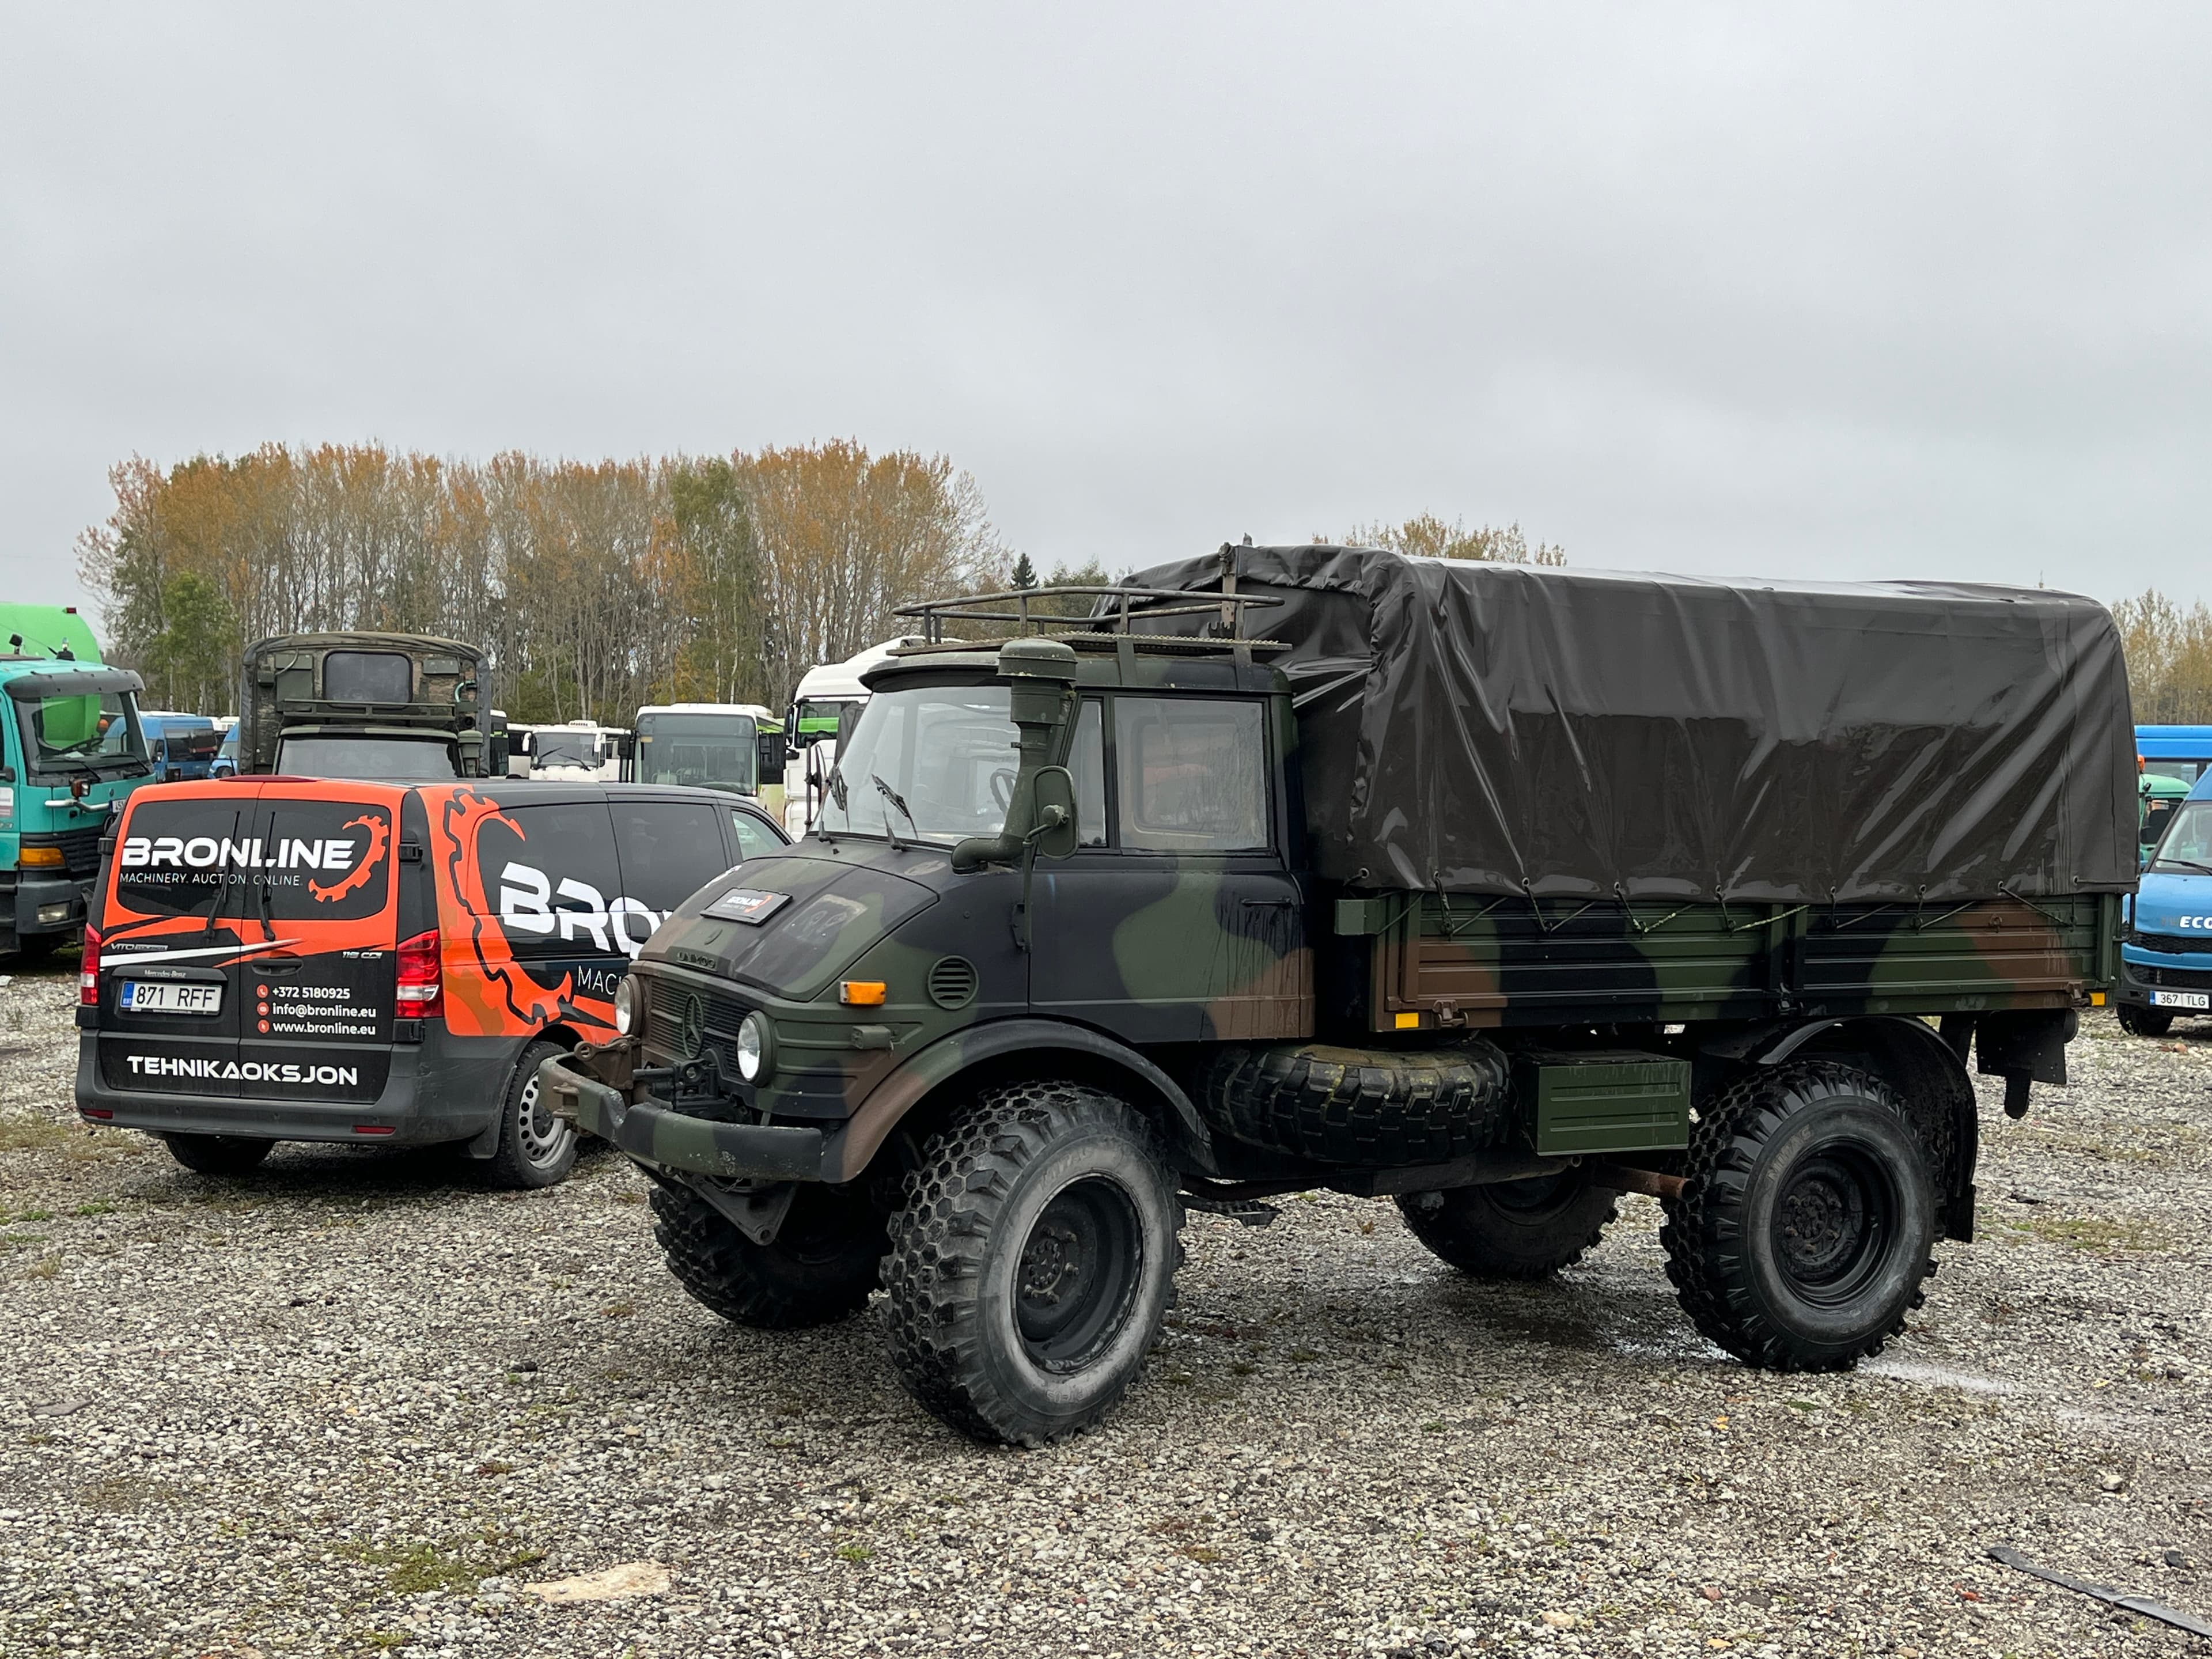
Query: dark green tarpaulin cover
1496, 728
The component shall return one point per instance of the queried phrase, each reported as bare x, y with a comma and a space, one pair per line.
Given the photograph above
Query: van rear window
327, 860
176, 857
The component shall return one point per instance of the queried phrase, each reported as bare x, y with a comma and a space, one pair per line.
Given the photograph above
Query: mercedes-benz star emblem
692, 1028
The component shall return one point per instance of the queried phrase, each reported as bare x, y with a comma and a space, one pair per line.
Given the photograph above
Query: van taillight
88, 972
422, 990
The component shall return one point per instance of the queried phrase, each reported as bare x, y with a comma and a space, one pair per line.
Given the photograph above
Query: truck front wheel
1800, 1237
819, 1267
2143, 1022
1033, 1262
1514, 1230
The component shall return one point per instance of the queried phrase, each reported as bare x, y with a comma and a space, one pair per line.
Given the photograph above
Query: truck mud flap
670, 1140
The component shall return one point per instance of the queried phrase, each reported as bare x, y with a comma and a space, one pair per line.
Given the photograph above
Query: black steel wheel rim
1835, 1222
1537, 1200
1075, 1281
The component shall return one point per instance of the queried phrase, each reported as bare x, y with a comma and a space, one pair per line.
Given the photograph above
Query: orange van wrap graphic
489, 991
379, 826
214, 869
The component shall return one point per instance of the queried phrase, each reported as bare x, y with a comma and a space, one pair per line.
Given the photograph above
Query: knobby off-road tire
1800, 1239
536, 1149
2143, 1022
1372, 1108
820, 1268
219, 1154
1033, 1262
1514, 1230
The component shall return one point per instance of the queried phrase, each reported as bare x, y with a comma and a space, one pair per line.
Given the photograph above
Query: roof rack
1130, 604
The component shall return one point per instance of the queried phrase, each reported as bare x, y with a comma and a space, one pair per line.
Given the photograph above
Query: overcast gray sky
1827, 292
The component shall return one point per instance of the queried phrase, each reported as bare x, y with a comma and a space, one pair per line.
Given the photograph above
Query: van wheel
1800, 1239
1514, 1229
1032, 1264
820, 1268
219, 1154
2144, 1022
536, 1149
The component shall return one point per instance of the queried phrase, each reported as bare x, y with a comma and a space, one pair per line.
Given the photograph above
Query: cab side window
550, 869
1086, 760
1191, 774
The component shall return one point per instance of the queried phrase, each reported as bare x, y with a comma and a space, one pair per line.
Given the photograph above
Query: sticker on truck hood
747, 904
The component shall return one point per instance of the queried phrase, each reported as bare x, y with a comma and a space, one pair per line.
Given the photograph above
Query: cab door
1177, 920
172, 926
316, 984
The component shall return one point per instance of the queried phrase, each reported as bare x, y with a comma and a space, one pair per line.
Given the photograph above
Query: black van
280, 958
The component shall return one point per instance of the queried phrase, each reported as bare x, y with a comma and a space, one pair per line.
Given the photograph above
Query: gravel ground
353, 1404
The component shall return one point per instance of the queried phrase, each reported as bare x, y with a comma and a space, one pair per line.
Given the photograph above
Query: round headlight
625, 1006
753, 1041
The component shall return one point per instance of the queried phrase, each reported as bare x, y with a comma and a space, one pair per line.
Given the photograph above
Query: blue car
2166, 955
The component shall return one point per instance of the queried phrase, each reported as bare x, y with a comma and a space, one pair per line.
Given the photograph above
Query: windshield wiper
2190, 864
897, 800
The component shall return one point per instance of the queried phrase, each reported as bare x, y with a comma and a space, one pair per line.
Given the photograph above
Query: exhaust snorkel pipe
1041, 673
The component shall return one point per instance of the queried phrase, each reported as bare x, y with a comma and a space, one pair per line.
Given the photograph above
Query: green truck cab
388, 707
1425, 887
71, 752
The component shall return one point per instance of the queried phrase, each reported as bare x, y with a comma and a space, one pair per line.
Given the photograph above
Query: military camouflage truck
1499, 891
374, 705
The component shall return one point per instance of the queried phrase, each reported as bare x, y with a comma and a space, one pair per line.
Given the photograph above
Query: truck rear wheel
219, 1154
2144, 1022
1513, 1230
1367, 1108
1801, 1238
819, 1268
1032, 1264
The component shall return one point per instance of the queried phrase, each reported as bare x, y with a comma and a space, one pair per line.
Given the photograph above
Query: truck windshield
87, 733
2187, 849
719, 751
945, 752
366, 758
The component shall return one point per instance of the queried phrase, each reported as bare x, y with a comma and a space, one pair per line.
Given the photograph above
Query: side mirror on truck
1055, 835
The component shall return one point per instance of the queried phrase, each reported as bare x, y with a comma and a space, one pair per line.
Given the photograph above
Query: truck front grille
2177, 979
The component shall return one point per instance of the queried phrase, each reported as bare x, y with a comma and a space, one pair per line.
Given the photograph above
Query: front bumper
42, 904
2143, 971
668, 1140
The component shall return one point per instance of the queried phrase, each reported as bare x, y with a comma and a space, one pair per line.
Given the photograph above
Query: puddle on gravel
1936, 1377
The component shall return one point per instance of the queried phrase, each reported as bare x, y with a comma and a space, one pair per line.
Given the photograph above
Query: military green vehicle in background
1497, 891
377, 705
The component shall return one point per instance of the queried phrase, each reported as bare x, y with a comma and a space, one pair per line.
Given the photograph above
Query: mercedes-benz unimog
1497, 891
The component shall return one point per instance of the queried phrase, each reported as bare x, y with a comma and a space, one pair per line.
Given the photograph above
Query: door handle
276, 967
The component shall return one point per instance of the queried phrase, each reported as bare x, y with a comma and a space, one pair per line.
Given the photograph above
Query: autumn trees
597, 585
2169, 652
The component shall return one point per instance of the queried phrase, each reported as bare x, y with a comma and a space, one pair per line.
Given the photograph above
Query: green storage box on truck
1494, 889
367, 706
71, 752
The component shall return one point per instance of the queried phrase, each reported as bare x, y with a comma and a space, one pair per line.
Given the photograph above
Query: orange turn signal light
40, 857
862, 993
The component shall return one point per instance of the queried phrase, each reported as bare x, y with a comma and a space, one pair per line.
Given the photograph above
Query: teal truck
71, 752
